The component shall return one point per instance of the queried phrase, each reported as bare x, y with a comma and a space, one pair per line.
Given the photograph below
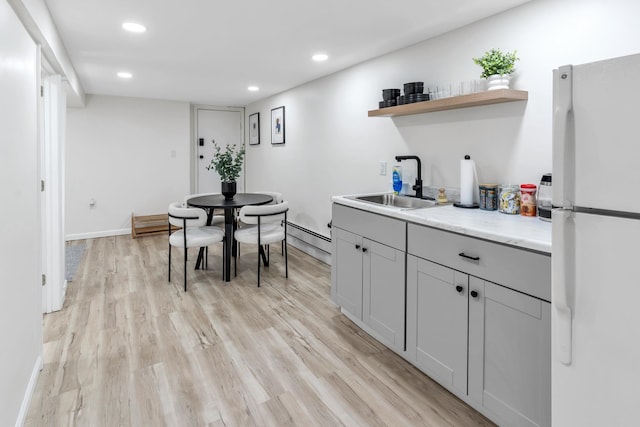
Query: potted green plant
497, 67
228, 164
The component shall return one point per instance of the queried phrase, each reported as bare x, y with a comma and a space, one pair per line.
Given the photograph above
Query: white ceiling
209, 52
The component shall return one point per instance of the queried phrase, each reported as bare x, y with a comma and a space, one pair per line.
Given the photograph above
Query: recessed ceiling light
134, 27
253, 88
320, 57
124, 75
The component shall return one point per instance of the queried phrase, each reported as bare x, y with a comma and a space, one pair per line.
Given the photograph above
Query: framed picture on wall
254, 129
277, 125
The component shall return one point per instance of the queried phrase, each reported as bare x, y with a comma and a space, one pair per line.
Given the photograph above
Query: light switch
383, 167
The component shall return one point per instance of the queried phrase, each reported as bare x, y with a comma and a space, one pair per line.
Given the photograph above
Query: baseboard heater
310, 237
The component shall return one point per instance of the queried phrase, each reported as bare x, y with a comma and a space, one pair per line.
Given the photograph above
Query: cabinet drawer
524, 271
382, 229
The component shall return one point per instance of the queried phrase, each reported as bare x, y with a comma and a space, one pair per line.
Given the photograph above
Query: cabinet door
510, 354
384, 291
437, 321
347, 271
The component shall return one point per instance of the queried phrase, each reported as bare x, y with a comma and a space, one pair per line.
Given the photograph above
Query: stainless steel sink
401, 202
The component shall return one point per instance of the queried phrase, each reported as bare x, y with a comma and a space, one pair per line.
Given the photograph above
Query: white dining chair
215, 219
193, 234
266, 224
277, 198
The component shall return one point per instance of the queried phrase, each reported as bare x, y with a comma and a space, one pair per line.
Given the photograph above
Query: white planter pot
498, 81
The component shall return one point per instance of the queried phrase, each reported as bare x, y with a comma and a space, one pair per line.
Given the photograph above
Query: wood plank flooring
131, 349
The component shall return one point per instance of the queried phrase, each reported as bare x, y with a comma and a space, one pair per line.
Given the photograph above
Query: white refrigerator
596, 244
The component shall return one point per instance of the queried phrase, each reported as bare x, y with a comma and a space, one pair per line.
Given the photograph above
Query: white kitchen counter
516, 230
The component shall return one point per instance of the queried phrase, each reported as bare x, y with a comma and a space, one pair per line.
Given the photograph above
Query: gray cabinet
476, 313
437, 321
368, 271
489, 343
510, 354
383, 292
347, 270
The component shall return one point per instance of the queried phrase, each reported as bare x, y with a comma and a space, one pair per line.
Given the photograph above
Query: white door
225, 127
601, 385
596, 130
52, 126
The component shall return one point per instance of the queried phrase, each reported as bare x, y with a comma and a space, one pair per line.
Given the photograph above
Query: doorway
225, 126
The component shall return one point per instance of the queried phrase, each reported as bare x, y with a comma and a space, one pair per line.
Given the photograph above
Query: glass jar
488, 197
528, 199
509, 199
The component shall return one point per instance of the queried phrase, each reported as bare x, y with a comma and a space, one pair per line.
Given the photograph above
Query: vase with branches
228, 164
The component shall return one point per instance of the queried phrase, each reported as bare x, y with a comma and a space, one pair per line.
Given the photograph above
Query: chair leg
185, 269
169, 262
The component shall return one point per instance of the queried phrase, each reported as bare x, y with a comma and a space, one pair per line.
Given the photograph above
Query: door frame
52, 105
193, 147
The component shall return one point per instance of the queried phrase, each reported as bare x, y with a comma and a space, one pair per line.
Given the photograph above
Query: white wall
37, 20
129, 155
333, 148
20, 305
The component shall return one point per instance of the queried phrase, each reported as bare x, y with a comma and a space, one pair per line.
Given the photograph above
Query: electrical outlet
383, 167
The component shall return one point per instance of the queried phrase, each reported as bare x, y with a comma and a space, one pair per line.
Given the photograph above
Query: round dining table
217, 201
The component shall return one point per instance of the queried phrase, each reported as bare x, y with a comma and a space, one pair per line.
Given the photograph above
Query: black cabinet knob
459, 289
474, 294
357, 247
364, 249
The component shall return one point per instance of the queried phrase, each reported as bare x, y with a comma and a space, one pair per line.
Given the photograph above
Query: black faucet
418, 185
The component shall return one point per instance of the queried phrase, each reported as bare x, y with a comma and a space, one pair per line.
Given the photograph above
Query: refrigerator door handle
563, 137
562, 282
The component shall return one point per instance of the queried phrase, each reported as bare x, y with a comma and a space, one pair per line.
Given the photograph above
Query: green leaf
496, 62
227, 163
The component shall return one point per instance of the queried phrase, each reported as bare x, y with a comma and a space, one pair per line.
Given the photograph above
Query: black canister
545, 196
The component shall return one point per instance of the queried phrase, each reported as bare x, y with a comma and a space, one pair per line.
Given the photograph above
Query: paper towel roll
467, 181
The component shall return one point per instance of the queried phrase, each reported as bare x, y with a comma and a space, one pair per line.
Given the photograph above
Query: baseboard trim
309, 249
22, 415
95, 234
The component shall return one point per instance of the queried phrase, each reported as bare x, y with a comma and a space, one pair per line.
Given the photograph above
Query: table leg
200, 259
229, 242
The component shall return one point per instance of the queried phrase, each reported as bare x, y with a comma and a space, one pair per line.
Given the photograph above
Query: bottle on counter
528, 199
396, 176
509, 199
442, 197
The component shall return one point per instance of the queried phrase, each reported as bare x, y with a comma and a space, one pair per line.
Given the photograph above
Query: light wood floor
130, 349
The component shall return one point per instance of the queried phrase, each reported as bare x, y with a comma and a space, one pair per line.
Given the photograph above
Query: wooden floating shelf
464, 101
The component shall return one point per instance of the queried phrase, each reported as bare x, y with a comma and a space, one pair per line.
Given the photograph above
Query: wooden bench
148, 225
